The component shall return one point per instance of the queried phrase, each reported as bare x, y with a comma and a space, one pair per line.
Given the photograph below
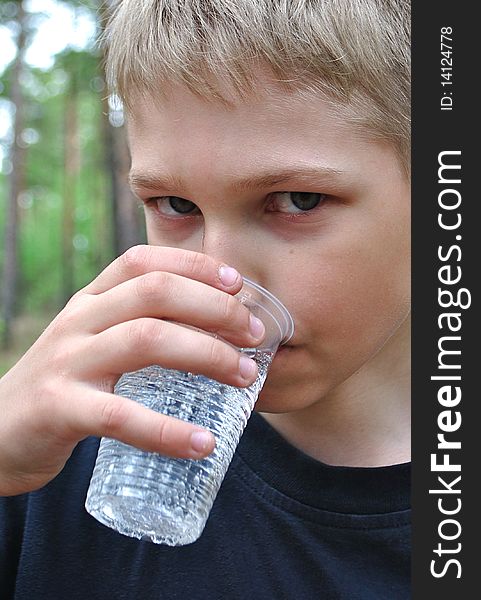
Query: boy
269, 138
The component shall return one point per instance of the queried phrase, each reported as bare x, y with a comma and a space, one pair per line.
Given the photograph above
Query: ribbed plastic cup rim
289, 322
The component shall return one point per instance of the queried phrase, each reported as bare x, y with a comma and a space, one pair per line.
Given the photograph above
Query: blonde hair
355, 53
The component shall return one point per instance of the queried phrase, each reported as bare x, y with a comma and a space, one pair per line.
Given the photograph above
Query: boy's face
296, 200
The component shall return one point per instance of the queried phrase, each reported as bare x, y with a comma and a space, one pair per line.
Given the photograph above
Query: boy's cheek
351, 315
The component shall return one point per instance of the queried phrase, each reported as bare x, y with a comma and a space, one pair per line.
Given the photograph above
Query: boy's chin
275, 403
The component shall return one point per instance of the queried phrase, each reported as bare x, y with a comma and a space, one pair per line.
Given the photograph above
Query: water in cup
182, 487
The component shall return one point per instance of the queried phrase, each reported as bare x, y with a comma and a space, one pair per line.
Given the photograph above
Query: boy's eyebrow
272, 178
149, 180
266, 179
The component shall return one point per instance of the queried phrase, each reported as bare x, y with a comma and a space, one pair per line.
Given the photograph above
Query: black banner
445, 241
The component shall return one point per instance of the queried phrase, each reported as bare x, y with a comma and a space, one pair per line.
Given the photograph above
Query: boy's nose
233, 245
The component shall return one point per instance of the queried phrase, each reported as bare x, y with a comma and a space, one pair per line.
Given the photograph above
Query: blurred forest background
65, 208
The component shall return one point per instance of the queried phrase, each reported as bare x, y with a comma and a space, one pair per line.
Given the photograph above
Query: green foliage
75, 78
42, 206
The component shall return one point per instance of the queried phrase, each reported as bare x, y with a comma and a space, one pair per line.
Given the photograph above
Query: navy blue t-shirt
284, 526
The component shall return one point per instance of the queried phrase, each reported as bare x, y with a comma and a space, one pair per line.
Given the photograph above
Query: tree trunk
16, 186
128, 228
128, 213
71, 169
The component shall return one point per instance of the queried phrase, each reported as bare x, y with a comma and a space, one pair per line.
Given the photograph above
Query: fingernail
228, 275
247, 368
200, 441
256, 327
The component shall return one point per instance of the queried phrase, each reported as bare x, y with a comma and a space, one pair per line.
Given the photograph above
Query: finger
139, 260
165, 295
107, 415
137, 344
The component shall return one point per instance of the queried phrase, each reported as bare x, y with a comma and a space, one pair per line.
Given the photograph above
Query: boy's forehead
273, 120
286, 132
265, 135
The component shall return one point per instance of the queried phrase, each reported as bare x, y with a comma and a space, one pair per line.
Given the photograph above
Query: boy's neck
365, 422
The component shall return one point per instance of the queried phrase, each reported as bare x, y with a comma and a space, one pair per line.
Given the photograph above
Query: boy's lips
283, 353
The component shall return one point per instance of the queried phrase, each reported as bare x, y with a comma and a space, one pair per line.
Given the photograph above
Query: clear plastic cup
167, 500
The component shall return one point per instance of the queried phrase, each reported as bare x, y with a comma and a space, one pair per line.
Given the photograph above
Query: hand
61, 390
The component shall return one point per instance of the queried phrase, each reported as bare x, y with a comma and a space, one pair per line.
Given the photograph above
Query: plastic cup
168, 500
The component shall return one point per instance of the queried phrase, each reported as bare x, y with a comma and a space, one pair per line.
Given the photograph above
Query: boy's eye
295, 202
173, 205
284, 202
